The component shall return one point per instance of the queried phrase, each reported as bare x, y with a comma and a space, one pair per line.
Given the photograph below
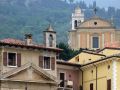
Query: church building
93, 33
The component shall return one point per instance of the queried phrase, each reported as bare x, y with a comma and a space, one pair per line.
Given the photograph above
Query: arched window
75, 23
51, 40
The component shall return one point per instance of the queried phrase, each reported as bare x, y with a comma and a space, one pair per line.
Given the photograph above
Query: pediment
96, 22
30, 73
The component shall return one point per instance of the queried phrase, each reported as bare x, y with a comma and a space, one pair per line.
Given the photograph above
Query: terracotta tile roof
13, 41
20, 43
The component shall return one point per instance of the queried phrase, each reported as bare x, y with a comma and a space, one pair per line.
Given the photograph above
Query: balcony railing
68, 85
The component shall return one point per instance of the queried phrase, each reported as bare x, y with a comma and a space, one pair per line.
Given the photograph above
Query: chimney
28, 39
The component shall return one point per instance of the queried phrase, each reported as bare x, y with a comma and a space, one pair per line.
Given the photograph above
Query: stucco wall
28, 56
21, 86
71, 73
109, 52
85, 58
100, 23
103, 74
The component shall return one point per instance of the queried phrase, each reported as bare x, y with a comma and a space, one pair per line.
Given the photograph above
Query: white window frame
50, 63
7, 59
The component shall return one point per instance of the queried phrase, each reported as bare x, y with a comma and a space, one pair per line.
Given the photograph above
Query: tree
67, 52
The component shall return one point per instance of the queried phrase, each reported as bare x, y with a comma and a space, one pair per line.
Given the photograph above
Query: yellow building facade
100, 73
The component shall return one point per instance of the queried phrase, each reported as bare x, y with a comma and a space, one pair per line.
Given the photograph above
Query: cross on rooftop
95, 11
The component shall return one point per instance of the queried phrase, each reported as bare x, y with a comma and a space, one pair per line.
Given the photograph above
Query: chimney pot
28, 39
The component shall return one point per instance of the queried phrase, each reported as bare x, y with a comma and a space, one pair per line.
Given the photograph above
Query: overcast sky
104, 3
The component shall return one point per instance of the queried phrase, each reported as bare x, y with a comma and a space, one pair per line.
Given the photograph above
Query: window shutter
18, 59
53, 63
109, 84
5, 58
41, 61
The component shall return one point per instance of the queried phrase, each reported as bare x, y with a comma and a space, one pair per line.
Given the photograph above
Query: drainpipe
96, 75
82, 77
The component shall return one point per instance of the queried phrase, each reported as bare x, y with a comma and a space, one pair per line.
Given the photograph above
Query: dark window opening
12, 59
62, 78
81, 87
95, 42
109, 84
95, 23
51, 40
75, 23
89, 59
46, 63
108, 66
77, 59
91, 86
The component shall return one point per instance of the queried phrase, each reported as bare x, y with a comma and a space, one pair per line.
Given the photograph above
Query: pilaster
114, 75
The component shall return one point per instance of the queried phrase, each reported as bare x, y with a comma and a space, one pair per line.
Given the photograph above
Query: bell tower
50, 37
77, 17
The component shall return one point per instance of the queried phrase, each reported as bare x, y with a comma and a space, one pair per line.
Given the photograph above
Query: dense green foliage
67, 52
18, 17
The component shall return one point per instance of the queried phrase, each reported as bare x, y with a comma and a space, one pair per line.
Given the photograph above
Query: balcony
68, 85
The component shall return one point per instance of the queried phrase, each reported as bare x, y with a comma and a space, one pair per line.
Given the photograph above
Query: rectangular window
62, 78
12, 61
91, 86
46, 63
95, 41
109, 84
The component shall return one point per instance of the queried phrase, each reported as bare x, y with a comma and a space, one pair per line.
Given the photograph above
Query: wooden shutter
53, 63
5, 58
18, 59
41, 61
109, 84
